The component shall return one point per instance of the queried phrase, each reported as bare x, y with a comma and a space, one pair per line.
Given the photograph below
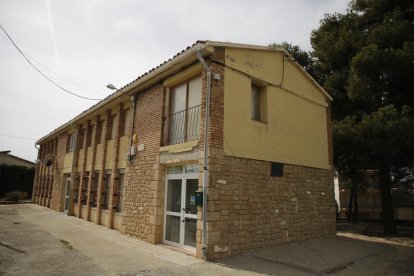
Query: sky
83, 45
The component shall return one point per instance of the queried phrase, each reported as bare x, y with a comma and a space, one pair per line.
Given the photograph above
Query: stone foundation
249, 209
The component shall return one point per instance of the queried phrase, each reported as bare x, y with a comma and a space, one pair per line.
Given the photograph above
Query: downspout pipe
205, 167
134, 107
36, 173
72, 175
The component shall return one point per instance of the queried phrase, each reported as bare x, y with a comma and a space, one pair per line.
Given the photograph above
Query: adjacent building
221, 149
11, 160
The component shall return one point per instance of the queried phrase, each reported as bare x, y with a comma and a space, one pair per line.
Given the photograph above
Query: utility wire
64, 78
41, 73
18, 137
51, 71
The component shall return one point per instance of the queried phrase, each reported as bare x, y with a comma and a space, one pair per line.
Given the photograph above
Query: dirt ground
37, 241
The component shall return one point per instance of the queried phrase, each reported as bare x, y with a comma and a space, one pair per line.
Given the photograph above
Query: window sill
259, 122
187, 146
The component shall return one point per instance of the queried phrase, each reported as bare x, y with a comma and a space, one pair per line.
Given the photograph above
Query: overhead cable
18, 137
41, 73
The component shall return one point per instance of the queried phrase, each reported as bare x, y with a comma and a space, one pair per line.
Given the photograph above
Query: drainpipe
36, 173
205, 168
134, 104
72, 175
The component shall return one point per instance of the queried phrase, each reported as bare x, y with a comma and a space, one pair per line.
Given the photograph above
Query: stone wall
144, 185
249, 209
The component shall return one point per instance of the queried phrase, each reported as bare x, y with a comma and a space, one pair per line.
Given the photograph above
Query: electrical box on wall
198, 198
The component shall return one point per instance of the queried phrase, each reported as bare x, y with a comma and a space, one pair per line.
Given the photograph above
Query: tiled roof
206, 43
119, 92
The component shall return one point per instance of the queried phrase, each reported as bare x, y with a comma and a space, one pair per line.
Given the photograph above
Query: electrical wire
64, 78
18, 137
41, 73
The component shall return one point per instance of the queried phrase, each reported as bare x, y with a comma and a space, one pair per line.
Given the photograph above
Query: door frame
183, 177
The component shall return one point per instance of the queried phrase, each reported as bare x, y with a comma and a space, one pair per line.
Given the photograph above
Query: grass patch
66, 244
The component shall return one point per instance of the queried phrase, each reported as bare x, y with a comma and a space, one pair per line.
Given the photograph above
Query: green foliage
365, 60
298, 54
66, 244
302, 57
16, 178
383, 138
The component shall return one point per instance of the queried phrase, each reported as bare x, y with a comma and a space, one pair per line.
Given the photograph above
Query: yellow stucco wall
81, 157
98, 158
89, 158
110, 149
67, 164
118, 222
123, 145
105, 218
296, 130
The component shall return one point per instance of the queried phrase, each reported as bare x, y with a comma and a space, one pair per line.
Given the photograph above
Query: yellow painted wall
98, 159
89, 158
67, 164
263, 65
268, 66
110, 149
118, 222
81, 156
183, 75
123, 146
75, 210
296, 130
84, 212
94, 215
105, 218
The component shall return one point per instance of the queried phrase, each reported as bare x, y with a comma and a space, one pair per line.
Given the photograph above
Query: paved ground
37, 241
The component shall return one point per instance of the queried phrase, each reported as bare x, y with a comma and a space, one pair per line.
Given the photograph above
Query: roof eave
136, 86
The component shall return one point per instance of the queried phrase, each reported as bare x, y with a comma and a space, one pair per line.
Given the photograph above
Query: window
276, 169
84, 192
112, 127
126, 121
102, 137
258, 103
184, 119
105, 191
76, 184
89, 131
94, 189
71, 142
120, 192
98, 135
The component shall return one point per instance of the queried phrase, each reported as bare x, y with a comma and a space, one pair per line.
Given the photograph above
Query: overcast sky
85, 44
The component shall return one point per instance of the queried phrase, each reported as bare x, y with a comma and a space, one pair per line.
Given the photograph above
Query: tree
301, 56
365, 60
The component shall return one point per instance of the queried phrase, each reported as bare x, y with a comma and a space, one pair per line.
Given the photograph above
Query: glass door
180, 209
190, 213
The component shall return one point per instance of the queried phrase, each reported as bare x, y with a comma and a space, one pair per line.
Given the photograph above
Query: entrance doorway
180, 220
67, 194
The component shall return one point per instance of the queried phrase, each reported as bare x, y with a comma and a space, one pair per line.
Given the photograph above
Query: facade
7, 159
138, 162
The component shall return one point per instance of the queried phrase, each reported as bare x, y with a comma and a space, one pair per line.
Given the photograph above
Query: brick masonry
144, 190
